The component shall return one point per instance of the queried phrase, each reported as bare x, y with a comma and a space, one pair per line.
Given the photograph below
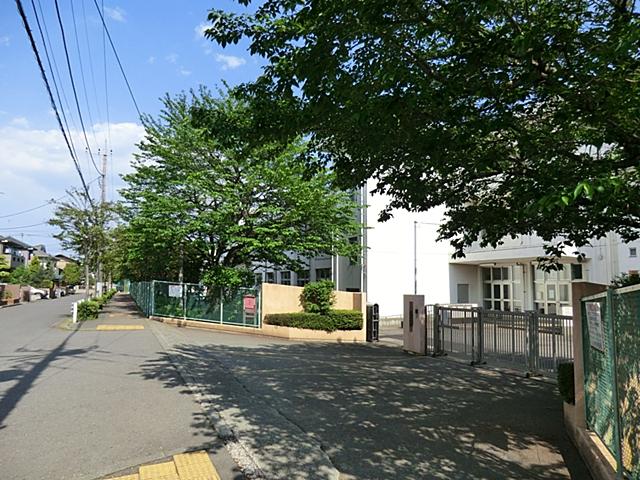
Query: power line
106, 82
34, 208
113, 47
84, 84
24, 226
73, 84
27, 28
51, 60
88, 43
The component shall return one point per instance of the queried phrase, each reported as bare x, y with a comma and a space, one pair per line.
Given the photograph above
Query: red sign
249, 302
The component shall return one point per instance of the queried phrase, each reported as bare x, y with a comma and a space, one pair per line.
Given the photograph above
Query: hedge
565, 382
330, 322
88, 310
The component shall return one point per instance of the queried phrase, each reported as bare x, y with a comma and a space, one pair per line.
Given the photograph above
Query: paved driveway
372, 412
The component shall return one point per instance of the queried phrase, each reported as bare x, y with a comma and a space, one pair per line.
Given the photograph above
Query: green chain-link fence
611, 332
192, 301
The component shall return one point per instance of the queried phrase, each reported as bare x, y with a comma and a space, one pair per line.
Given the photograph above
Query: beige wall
286, 299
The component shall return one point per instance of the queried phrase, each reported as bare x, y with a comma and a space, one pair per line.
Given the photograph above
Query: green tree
37, 275
19, 276
84, 227
209, 201
72, 274
519, 116
4, 269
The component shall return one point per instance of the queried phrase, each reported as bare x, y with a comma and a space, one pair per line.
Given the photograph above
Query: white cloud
5, 41
19, 122
172, 58
200, 29
36, 167
184, 72
41, 158
116, 13
229, 62
151, 60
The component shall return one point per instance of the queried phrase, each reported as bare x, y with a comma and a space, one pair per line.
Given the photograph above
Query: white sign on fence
594, 323
175, 291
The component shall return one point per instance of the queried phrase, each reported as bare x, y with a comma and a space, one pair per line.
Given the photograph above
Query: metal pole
612, 353
415, 257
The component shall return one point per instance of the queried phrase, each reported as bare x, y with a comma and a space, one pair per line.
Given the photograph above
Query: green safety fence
611, 334
192, 301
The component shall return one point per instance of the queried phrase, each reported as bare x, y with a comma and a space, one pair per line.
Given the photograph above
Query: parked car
39, 293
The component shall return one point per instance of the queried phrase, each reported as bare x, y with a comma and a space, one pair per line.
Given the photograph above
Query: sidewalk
120, 312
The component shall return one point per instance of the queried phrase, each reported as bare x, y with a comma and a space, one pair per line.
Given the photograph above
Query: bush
566, 384
334, 320
88, 310
318, 297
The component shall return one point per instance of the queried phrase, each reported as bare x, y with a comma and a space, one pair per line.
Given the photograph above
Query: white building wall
390, 257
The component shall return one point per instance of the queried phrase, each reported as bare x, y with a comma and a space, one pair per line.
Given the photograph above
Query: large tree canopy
520, 116
207, 199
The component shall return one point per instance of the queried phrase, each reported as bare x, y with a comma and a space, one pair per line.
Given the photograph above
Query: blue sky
162, 50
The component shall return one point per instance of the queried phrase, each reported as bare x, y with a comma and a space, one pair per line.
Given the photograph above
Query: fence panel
524, 340
599, 372
626, 328
195, 302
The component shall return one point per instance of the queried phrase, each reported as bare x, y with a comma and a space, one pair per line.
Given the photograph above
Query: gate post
437, 350
532, 342
480, 348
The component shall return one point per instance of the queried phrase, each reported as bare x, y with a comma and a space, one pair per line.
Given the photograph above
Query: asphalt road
75, 404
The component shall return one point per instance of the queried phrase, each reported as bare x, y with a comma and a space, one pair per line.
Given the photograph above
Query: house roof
62, 256
15, 242
41, 254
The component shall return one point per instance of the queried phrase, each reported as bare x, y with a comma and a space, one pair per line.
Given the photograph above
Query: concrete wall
286, 299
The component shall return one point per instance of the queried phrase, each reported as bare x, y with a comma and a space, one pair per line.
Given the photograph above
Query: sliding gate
528, 341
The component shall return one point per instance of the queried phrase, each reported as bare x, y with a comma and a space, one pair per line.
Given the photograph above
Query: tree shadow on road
28, 366
377, 412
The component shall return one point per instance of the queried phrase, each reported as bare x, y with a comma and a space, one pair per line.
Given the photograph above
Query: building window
303, 278
270, 277
501, 288
258, 278
463, 293
285, 278
576, 271
552, 290
323, 274
633, 252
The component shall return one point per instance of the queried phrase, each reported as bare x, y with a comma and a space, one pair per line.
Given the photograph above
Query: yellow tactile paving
195, 466
119, 327
159, 471
135, 476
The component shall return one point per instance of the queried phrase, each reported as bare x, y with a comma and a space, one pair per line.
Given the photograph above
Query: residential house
15, 252
61, 263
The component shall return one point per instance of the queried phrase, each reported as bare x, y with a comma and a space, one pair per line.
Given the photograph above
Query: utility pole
415, 257
103, 200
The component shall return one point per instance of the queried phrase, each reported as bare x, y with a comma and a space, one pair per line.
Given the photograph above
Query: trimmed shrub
88, 310
318, 297
565, 382
332, 321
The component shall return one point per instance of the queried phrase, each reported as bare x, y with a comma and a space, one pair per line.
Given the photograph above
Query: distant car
38, 293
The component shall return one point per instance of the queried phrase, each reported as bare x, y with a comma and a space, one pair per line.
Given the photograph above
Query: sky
162, 51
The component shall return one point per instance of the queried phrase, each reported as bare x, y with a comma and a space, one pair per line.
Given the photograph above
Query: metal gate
530, 341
